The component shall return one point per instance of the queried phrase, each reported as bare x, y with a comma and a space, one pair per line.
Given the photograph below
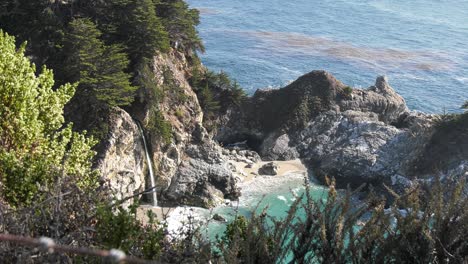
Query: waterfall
150, 166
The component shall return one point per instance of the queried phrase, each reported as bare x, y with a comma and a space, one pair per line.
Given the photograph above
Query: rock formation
268, 169
354, 135
190, 168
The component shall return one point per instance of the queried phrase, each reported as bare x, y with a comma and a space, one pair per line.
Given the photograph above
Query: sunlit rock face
354, 135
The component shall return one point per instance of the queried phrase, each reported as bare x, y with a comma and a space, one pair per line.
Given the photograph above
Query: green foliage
145, 79
465, 105
216, 92
180, 22
35, 145
171, 89
90, 42
98, 68
123, 230
134, 23
37, 23
209, 105
347, 92
247, 239
424, 225
179, 113
160, 126
238, 227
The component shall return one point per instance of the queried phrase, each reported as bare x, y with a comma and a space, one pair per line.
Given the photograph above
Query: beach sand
243, 172
247, 174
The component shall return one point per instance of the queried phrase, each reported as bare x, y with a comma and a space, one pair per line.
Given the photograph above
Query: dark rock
268, 169
219, 218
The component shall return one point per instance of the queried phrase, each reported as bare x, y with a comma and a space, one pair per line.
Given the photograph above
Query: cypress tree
135, 24
180, 22
146, 33
98, 68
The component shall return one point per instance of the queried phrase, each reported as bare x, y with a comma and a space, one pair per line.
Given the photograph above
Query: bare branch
48, 245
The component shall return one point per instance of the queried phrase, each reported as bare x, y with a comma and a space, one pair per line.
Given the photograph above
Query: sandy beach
243, 171
247, 173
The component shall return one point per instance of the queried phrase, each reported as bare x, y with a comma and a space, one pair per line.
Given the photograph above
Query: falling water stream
154, 195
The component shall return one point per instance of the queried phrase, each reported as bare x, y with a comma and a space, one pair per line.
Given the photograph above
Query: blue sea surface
420, 45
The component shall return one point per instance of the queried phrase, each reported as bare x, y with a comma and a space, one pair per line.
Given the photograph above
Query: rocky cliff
189, 166
354, 135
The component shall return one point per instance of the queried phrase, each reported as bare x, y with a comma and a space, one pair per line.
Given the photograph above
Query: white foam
282, 198
180, 218
463, 80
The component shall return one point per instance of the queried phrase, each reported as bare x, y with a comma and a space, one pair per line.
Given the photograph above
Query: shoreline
247, 173
253, 186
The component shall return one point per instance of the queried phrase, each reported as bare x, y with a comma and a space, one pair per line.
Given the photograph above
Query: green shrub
179, 113
160, 126
347, 92
36, 146
422, 226
121, 229
216, 93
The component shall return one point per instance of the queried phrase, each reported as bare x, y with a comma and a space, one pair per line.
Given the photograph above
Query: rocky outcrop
121, 159
379, 99
354, 135
120, 152
189, 166
190, 169
270, 169
204, 177
355, 147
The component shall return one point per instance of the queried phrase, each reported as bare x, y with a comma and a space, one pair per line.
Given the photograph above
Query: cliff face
122, 158
357, 136
189, 167
354, 135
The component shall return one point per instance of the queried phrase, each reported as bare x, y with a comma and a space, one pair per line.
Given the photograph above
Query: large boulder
269, 168
203, 178
356, 147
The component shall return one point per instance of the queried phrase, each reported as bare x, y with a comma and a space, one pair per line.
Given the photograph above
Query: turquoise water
275, 194
420, 45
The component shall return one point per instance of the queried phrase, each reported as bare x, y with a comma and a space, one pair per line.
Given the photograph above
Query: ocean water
273, 194
421, 45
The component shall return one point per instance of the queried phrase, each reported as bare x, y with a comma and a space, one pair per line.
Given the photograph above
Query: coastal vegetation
103, 51
421, 226
37, 147
216, 93
106, 47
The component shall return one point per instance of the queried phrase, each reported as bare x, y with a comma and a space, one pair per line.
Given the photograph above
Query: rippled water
420, 45
274, 194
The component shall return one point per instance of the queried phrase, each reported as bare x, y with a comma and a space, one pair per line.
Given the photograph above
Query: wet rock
219, 218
